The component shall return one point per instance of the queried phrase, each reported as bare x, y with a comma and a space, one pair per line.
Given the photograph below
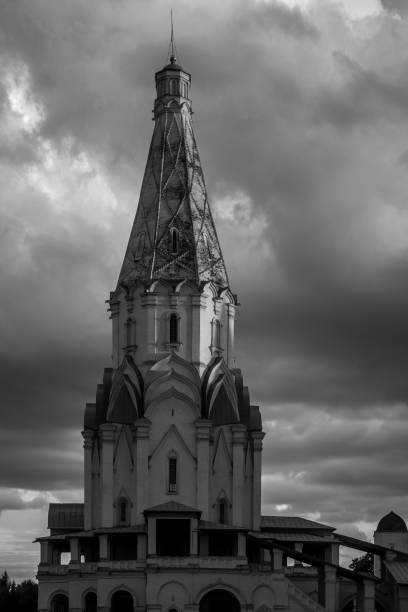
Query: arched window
173, 328
173, 87
123, 511
174, 240
172, 472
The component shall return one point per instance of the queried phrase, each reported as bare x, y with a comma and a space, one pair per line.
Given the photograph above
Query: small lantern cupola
172, 84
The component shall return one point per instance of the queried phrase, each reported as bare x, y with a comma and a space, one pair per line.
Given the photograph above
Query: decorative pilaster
114, 306
88, 436
198, 305
141, 437
107, 433
149, 304
238, 441
257, 437
203, 430
231, 310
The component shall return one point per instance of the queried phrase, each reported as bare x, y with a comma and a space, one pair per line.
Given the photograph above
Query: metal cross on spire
172, 47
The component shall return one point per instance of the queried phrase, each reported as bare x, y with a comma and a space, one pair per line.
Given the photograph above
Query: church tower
172, 445
172, 422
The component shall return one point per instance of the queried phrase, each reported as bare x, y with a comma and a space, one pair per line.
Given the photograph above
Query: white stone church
171, 519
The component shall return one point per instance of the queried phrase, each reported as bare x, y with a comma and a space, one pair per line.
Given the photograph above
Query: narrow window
222, 511
174, 240
173, 87
173, 328
123, 511
172, 475
130, 335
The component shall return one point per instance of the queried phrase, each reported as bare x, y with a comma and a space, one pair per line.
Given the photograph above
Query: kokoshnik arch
171, 518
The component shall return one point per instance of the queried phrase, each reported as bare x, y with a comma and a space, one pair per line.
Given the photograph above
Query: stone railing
208, 562
309, 604
298, 570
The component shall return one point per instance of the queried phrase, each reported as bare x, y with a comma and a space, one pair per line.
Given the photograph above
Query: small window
172, 474
222, 509
173, 328
174, 239
123, 511
173, 87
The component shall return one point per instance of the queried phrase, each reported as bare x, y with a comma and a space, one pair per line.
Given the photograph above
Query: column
107, 437
277, 560
103, 547
230, 335
74, 547
45, 555
141, 436
330, 588
238, 441
194, 536
241, 548
203, 429
298, 548
151, 536
114, 310
332, 553
88, 436
366, 596
257, 437
141, 546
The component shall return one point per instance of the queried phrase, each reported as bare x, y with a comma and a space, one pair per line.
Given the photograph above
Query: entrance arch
60, 603
122, 601
219, 600
90, 602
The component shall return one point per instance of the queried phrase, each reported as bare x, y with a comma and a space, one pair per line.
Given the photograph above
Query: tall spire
173, 236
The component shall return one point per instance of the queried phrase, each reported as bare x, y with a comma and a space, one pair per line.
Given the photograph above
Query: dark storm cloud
11, 500
301, 127
396, 6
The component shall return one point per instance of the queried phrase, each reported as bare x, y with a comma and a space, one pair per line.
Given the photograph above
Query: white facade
171, 518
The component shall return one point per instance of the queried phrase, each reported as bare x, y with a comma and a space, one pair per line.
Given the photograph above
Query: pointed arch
221, 443
173, 431
126, 395
219, 395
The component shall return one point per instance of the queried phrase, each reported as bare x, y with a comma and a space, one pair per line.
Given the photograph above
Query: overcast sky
300, 112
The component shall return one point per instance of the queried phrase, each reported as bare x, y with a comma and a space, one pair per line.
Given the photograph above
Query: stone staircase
309, 604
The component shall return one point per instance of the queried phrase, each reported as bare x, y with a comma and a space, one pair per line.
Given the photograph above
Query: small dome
392, 522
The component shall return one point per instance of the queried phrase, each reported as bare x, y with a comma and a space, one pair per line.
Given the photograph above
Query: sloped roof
66, 516
172, 506
295, 536
398, 570
173, 236
291, 522
210, 526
